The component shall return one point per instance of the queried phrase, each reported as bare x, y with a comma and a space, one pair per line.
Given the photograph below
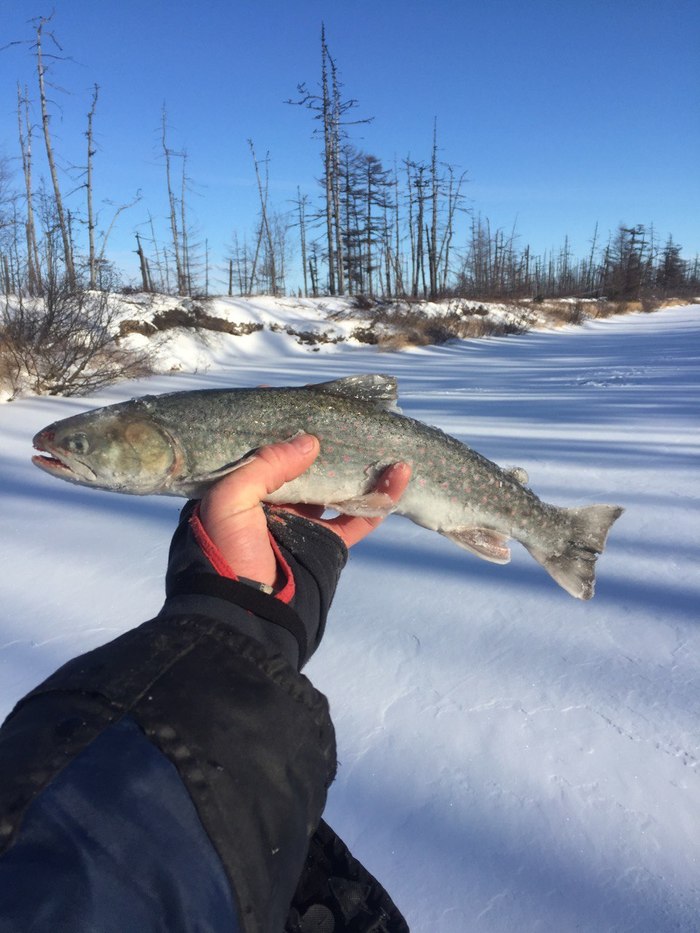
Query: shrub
64, 343
194, 317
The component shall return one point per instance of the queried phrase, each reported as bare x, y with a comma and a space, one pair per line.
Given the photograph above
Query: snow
510, 758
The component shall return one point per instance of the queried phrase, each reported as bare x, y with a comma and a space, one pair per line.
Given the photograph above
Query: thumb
269, 468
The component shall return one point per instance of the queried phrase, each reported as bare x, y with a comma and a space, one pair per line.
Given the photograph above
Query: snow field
510, 758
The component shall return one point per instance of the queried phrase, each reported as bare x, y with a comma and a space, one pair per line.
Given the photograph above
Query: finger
271, 467
353, 528
231, 512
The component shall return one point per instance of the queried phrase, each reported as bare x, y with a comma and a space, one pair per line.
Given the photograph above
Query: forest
381, 234
394, 231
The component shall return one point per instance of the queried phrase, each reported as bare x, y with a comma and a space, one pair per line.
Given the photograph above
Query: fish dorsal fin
376, 388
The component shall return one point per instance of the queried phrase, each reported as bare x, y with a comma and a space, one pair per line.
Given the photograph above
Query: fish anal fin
370, 505
484, 542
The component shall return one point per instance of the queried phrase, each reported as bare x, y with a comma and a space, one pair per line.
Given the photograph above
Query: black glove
291, 622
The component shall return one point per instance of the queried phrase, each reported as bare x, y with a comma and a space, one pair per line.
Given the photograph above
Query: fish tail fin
573, 567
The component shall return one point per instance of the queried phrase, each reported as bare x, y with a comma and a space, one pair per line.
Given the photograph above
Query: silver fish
180, 443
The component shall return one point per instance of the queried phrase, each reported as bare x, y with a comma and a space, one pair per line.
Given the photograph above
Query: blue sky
562, 113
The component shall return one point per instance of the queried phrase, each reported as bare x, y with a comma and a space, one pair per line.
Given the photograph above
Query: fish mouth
60, 465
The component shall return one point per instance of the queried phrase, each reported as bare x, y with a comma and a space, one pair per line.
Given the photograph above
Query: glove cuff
309, 560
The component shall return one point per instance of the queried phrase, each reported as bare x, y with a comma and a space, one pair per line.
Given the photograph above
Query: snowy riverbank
511, 759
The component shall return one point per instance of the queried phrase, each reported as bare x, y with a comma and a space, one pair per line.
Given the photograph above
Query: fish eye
78, 444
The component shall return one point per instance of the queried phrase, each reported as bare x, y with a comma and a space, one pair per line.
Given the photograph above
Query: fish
180, 443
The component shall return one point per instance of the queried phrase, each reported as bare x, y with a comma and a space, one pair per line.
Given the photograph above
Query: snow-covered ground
510, 759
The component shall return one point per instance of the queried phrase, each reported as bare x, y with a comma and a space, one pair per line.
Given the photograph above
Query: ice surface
510, 759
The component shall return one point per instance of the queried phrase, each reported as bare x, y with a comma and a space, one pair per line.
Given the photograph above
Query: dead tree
433, 238
163, 283
179, 269
301, 204
146, 283
185, 246
454, 199
330, 159
63, 221
417, 185
399, 286
331, 111
24, 126
265, 239
92, 257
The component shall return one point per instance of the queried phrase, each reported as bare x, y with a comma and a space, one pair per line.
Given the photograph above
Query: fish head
115, 450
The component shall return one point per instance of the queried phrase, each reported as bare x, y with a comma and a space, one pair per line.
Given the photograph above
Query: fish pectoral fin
371, 505
221, 471
484, 542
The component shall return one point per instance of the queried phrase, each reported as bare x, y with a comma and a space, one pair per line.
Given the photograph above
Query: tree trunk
181, 284
146, 283
92, 263
336, 110
186, 272
25, 142
62, 221
301, 204
328, 161
432, 253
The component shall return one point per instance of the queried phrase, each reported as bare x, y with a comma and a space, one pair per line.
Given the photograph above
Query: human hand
232, 514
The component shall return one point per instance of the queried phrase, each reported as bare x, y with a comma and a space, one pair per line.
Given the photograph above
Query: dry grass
196, 317
400, 324
558, 312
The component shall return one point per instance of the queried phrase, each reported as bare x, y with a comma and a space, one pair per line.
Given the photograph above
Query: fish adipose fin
380, 390
371, 505
574, 567
518, 474
484, 542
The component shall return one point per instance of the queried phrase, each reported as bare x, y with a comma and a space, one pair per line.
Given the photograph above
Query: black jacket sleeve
213, 684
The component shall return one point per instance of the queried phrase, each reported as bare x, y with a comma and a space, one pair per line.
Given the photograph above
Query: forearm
215, 689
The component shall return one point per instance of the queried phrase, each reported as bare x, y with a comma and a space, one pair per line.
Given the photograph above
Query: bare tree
301, 204
24, 126
146, 282
179, 267
454, 201
417, 197
185, 245
92, 257
330, 156
433, 237
331, 110
63, 221
265, 239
